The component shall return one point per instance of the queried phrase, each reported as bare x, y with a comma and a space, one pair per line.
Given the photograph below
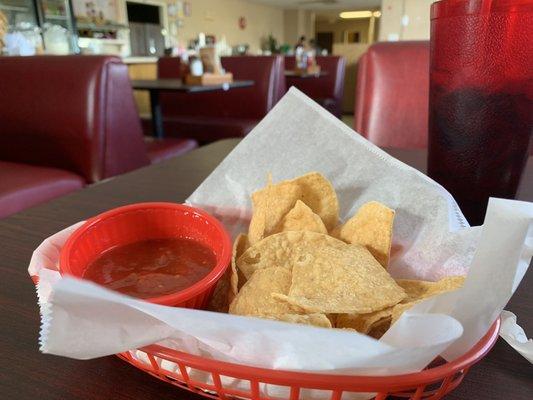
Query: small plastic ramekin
145, 221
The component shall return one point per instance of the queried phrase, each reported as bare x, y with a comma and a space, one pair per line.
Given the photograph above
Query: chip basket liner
216, 379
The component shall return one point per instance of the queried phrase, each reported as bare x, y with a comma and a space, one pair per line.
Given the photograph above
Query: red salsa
152, 268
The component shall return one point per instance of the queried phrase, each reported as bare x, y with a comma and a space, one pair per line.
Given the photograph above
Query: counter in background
142, 68
139, 60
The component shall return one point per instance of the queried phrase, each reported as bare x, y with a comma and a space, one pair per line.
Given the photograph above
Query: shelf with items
98, 27
84, 40
102, 36
30, 28
55, 17
5, 7
103, 29
119, 47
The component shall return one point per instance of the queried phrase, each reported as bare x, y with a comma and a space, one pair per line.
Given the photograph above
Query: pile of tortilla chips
297, 265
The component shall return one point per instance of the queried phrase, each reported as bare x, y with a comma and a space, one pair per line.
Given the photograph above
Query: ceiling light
355, 14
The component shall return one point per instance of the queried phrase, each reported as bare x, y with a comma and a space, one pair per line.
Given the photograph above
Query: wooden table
25, 374
156, 86
304, 75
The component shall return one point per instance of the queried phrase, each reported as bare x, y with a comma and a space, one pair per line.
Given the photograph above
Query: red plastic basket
438, 379
216, 379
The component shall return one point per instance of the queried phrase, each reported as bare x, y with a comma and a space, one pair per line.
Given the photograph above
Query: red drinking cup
481, 87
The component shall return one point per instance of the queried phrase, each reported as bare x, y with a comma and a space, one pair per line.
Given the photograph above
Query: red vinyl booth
221, 114
66, 121
326, 90
392, 95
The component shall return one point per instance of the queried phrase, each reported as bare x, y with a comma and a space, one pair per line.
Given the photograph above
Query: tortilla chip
282, 250
419, 290
219, 301
256, 229
336, 232
301, 218
255, 297
318, 193
316, 319
332, 318
273, 202
341, 280
269, 206
379, 328
239, 246
399, 309
371, 227
416, 291
362, 323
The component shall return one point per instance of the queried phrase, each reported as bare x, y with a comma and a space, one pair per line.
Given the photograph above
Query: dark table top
176, 85
27, 374
297, 74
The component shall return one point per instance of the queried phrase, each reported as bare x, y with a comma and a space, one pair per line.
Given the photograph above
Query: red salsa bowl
140, 222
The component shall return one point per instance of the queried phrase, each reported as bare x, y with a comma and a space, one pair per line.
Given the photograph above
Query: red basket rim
326, 381
173, 298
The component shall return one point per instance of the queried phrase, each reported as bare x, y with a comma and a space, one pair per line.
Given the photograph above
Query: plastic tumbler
481, 87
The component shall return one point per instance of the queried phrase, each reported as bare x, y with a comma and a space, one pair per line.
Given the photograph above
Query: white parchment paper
431, 240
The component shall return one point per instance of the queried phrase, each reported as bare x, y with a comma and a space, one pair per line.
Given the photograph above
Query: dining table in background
26, 374
156, 86
304, 75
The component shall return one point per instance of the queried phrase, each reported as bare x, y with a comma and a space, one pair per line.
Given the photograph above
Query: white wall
212, 17
297, 23
405, 20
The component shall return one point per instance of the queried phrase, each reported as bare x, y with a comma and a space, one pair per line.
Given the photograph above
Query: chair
392, 95
66, 121
326, 90
221, 114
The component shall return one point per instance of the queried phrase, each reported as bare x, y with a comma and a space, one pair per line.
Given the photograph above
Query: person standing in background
300, 44
300, 53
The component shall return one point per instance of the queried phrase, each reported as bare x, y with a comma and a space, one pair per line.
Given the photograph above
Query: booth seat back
76, 113
392, 95
330, 86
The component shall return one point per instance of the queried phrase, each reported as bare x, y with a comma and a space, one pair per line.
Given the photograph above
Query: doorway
324, 40
147, 28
